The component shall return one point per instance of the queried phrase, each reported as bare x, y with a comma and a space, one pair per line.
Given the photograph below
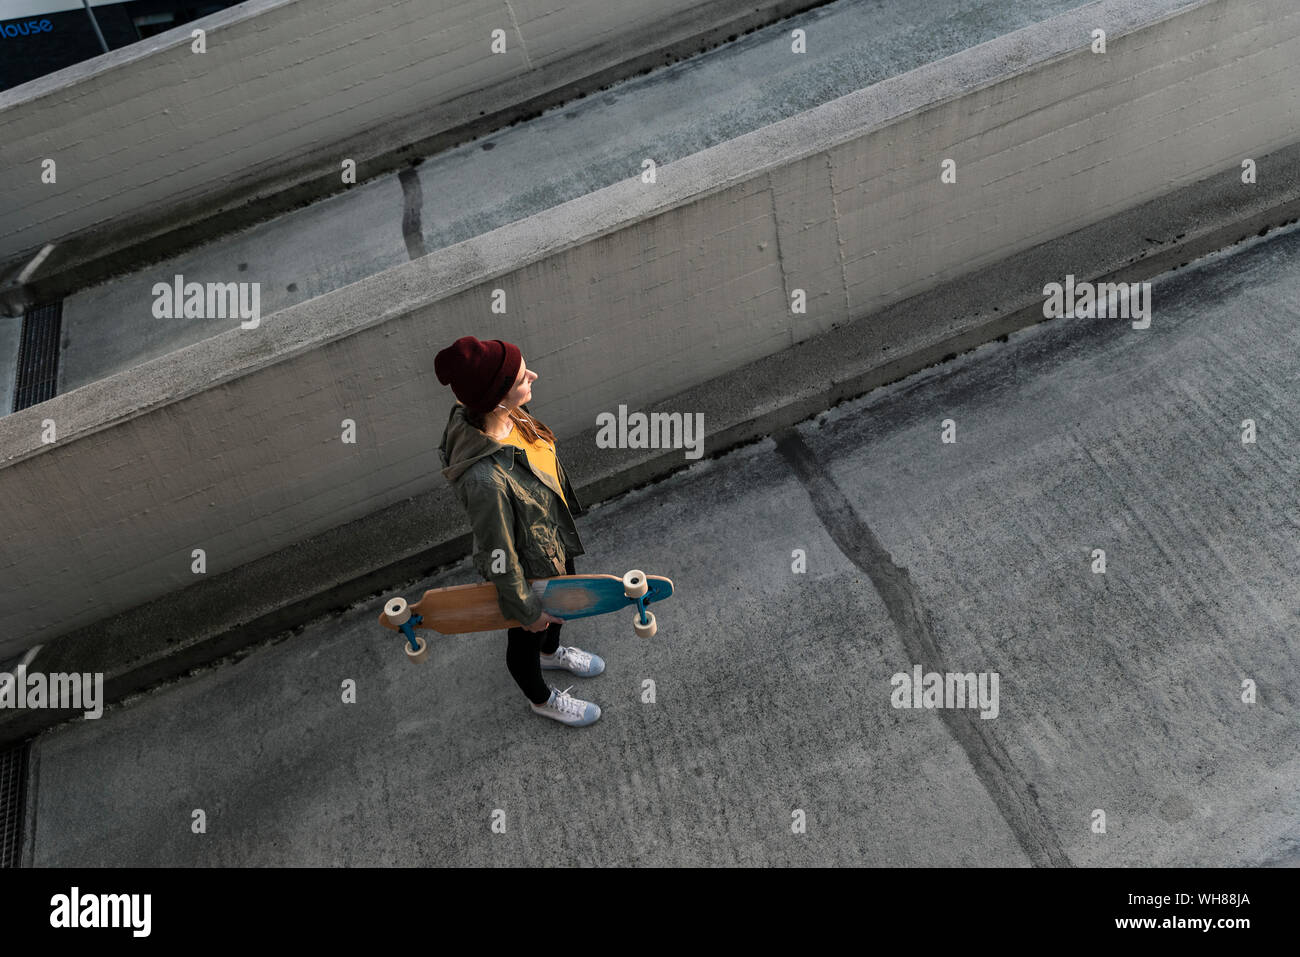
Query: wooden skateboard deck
461, 609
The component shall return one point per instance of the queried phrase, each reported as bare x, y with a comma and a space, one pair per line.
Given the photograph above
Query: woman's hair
530, 426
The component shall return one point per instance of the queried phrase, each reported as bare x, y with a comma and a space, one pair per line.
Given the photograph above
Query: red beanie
479, 373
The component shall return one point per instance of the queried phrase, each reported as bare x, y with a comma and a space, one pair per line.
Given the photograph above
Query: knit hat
479, 373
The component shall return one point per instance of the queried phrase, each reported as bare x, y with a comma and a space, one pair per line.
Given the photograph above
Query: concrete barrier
167, 147
650, 294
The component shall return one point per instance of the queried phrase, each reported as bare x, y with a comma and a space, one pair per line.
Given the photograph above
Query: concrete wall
152, 137
635, 293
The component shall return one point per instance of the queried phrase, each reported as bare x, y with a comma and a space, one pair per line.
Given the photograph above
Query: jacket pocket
543, 555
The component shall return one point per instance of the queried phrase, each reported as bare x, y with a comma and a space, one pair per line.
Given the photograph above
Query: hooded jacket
512, 507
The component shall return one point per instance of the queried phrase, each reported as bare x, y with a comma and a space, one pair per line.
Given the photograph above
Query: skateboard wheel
397, 611
634, 583
417, 656
648, 629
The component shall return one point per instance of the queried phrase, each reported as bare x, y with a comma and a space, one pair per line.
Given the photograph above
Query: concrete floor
1119, 692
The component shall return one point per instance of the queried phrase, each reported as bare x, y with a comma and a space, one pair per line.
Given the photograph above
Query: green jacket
512, 507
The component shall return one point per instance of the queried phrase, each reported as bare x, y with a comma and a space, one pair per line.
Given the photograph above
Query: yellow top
541, 454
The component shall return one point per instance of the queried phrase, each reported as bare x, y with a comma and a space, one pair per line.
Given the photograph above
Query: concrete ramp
176, 139
758, 281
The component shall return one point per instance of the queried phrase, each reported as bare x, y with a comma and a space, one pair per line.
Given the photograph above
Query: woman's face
522, 391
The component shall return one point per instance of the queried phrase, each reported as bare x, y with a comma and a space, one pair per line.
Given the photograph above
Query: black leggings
524, 646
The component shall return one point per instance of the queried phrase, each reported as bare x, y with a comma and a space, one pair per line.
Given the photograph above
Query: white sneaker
572, 711
582, 663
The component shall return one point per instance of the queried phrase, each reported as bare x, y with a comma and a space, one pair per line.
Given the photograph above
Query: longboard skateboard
459, 609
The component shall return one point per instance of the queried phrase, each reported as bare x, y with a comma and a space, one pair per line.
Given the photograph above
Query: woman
503, 466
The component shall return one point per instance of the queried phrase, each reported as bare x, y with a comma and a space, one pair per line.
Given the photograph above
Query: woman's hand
543, 622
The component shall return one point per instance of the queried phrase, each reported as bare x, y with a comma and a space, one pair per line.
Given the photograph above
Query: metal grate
13, 793
38, 356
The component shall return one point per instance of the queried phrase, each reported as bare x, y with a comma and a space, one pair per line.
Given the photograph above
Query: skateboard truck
635, 586
399, 613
